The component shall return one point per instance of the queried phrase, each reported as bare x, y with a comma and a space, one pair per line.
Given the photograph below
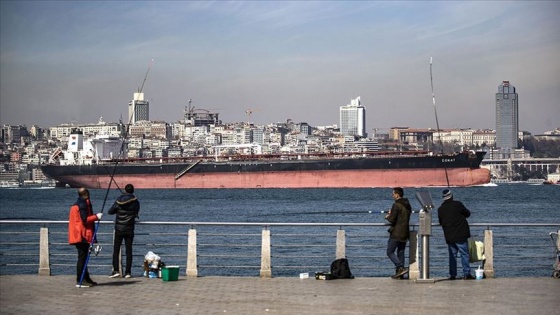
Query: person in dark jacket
452, 217
126, 208
81, 227
399, 218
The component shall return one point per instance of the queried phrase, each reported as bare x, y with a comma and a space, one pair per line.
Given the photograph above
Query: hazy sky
77, 61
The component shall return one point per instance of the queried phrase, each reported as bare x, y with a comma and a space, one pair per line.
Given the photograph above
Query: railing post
192, 268
44, 263
266, 270
340, 244
488, 254
413, 267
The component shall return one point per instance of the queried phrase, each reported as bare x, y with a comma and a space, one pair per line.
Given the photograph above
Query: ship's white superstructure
92, 150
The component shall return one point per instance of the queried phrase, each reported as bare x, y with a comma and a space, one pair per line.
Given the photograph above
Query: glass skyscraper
507, 117
138, 109
353, 119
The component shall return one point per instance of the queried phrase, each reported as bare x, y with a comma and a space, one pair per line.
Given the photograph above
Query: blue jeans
397, 259
463, 249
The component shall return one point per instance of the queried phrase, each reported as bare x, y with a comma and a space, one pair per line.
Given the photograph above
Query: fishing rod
437, 123
112, 180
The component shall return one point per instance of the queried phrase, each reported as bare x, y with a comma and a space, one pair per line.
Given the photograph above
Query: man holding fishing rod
126, 208
81, 226
399, 218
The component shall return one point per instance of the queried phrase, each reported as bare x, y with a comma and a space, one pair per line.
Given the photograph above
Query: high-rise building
138, 109
353, 119
507, 117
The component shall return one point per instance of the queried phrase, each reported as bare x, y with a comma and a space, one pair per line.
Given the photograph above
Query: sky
81, 61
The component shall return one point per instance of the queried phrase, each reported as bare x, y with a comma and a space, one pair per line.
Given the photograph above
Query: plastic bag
150, 256
476, 250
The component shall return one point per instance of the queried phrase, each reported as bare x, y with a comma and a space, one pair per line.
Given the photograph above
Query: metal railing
270, 249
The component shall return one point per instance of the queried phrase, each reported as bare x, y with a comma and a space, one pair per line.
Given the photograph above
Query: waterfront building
406, 134
101, 128
484, 137
13, 134
507, 117
149, 129
138, 109
353, 119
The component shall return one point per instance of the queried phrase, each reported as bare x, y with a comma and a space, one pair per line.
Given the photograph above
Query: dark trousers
397, 259
128, 237
83, 249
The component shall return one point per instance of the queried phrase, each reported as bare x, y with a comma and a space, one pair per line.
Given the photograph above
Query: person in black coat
399, 218
452, 217
126, 208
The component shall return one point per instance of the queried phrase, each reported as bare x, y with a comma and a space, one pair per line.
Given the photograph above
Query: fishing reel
97, 249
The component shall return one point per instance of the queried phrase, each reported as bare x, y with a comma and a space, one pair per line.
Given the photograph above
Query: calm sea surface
519, 251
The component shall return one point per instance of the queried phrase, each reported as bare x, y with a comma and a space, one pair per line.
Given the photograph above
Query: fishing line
437, 123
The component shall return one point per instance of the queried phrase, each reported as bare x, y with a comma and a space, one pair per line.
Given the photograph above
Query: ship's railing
271, 249
270, 157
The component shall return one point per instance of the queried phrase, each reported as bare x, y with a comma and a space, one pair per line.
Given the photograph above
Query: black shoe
90, 282
399, 272
452, 278
468, 277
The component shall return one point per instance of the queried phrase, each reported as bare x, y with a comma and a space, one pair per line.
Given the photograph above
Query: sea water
490, 204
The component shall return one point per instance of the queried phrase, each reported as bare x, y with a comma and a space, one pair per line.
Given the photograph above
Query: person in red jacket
81, 227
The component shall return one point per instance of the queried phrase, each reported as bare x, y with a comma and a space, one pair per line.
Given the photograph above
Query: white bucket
479, 274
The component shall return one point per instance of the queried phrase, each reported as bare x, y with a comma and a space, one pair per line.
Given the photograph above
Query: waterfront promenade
32, 294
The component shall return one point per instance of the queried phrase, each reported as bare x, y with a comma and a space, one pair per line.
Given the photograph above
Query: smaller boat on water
9, 184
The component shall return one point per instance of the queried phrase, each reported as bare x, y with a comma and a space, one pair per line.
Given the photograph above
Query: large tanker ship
411, 169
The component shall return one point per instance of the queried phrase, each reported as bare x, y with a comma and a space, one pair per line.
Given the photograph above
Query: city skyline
65, 62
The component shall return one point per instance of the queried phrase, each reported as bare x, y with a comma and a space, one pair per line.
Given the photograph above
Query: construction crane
249, 111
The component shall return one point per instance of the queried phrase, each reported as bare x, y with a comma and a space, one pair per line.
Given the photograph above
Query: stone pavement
31, 294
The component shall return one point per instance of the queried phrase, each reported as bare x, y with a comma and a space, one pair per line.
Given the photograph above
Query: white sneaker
83, 285
128, 276
115, 274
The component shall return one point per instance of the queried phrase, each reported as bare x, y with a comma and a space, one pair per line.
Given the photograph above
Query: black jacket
126, 208
400, 219
452, 217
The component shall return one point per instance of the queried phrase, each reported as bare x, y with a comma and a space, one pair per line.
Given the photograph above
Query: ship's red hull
294, 179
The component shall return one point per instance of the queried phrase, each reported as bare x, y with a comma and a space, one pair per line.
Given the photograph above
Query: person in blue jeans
399, 219
452, 217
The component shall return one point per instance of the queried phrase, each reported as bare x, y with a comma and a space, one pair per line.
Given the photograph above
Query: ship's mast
437, 123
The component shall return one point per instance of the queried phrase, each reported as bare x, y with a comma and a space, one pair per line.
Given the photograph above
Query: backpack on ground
340, 269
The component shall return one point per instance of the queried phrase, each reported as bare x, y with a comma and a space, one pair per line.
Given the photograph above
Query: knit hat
446, 195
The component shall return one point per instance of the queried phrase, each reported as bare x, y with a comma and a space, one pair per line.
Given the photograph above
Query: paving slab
30, 294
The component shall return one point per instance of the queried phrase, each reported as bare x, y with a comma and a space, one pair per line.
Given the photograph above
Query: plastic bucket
170, 273
479, 274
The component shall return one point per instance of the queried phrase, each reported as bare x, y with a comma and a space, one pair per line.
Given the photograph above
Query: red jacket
81, 222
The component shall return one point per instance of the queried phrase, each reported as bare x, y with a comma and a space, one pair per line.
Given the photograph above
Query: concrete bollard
192, 268
266, 269
44, 263
413, 266
488, 254
340, 244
